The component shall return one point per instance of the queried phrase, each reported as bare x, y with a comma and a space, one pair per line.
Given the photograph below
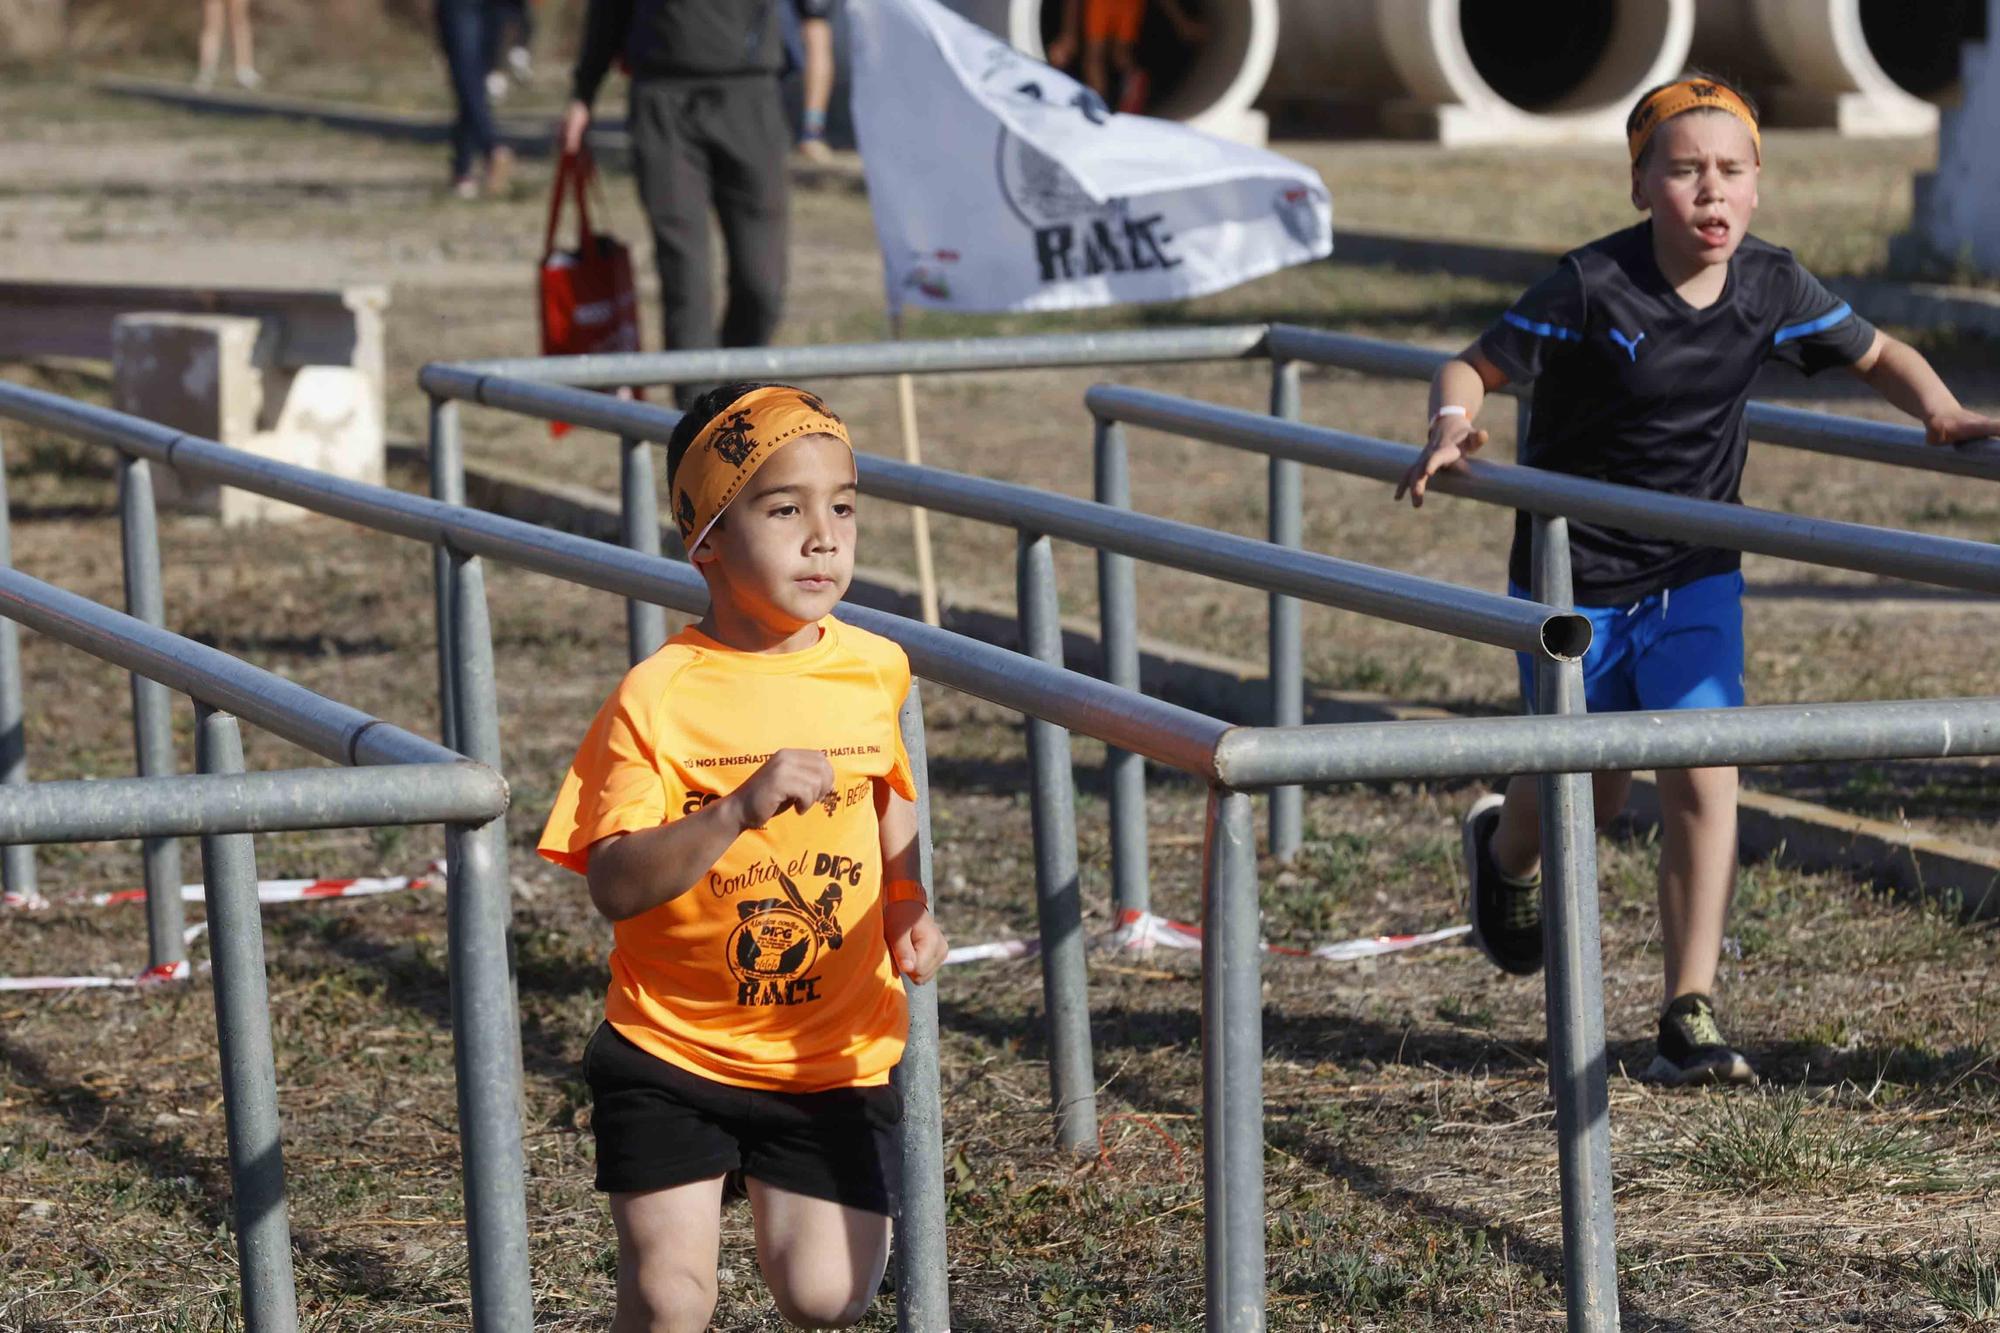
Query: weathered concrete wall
212, 376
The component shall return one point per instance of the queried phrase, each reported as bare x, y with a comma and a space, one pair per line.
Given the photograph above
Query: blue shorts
1681, 648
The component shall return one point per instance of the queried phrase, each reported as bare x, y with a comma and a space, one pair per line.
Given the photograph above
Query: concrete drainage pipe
1863, 67
1476, 71
1211, 85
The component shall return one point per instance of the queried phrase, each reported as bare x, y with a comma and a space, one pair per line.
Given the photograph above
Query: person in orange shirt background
1106, 32
743, 810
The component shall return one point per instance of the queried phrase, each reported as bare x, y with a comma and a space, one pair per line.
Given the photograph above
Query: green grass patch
1792, 1141
1964, 1279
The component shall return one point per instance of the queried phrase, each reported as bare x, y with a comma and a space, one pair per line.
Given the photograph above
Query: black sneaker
1506, 916
1692, 1048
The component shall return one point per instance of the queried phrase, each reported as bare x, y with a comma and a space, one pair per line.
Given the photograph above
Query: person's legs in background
670, 162
240, 43
462, 32
752, 200
211, 43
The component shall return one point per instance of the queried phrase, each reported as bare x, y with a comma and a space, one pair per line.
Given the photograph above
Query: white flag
999, 183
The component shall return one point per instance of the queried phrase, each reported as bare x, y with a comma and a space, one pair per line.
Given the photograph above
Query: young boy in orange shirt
744, 812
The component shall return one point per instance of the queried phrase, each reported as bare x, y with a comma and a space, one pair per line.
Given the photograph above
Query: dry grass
1410, 1163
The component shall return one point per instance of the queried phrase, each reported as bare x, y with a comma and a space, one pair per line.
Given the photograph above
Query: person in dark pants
708, 131
463, 30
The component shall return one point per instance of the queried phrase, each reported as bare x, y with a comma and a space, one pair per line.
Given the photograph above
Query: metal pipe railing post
447, 460
1118, 635
1058, 901
923, 1283
639, 523
17, 859
1232, 1068
1287, 668
243, 1034
152, 705
1575, 984
485, 1019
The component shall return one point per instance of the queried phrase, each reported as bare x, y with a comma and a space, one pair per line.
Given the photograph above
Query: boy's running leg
667, 1246
1697, 880
1503, 855
1697, 873
823, 1261
1693, 658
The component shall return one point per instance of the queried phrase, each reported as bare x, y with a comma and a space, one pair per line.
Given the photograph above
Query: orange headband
1688, 95
730, 449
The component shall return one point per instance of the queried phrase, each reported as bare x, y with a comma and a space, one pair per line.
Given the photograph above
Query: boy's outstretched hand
1960, 426
916, 946
788, 780
1453, 440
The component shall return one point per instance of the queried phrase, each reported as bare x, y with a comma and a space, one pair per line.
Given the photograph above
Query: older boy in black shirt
1642, 347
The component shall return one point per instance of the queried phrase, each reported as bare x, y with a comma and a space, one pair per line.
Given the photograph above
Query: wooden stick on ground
920, 519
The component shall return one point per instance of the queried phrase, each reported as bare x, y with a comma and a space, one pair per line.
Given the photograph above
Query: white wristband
1448, 410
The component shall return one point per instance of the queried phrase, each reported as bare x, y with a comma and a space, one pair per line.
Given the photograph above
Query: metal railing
1252, 757
1288, 575
1567, 816
409, 781
1171, 735
1232, 760
1036, 517
1286, 347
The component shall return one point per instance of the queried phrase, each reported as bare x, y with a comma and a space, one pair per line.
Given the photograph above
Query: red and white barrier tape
268, 892
152, 976
294, 890
1142, 932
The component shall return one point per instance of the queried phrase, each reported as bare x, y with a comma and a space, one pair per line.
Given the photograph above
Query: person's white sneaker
248, 79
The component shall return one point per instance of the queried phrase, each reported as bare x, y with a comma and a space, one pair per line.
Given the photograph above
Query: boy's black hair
1695, 74
697, 414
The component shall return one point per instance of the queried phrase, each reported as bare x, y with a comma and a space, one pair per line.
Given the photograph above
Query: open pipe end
1566, 636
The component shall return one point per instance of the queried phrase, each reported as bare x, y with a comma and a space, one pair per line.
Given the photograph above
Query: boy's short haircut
698, 414
1694, 73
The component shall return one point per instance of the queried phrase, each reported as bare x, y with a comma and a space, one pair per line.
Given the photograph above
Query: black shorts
658, 1126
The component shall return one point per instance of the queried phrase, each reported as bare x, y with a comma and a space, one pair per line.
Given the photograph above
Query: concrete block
218, 377
1957, 206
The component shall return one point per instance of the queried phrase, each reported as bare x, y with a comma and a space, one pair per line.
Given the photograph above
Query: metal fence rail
1289, 575
1162, 731
1233, 760
1790, 427
1286, 347
1574, 971
1037, 516
1946, 561
420, 782
1574, 974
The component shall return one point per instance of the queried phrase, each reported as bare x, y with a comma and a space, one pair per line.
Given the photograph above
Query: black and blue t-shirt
1635, 386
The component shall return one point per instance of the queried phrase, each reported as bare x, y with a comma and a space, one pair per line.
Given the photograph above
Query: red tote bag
589, 301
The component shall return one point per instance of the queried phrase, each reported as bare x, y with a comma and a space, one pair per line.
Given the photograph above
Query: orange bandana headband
1688, 95
730, 449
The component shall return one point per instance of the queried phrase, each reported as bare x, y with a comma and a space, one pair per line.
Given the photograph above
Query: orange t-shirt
771, 972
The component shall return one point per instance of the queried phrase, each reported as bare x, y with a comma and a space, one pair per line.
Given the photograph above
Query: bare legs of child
822, 1261
1697, 881
235, 15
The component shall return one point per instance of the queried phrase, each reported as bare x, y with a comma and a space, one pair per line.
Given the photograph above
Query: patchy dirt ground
1411, 1169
